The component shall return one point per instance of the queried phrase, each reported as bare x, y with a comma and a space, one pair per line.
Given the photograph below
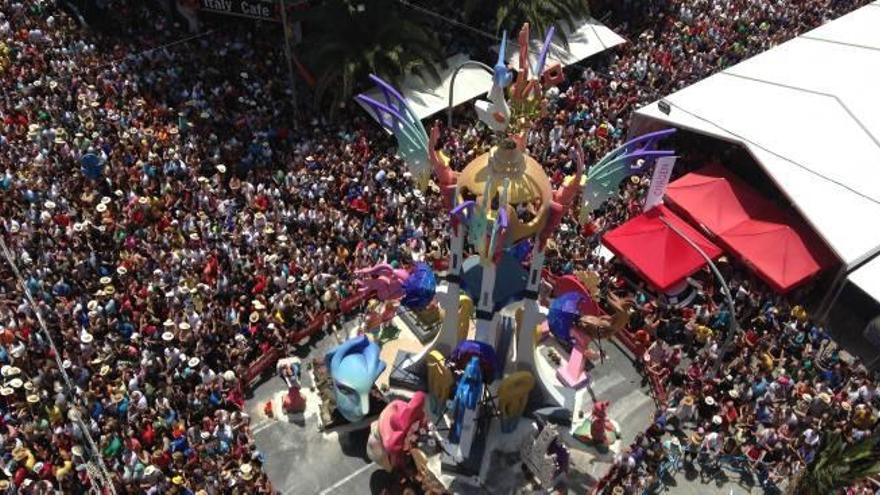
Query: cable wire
104, 479
444, 18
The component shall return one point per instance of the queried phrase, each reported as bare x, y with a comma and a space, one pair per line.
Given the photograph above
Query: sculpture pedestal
573, 371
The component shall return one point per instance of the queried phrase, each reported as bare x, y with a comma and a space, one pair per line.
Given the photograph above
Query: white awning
809, 112
427, 97
589, 38
867, 278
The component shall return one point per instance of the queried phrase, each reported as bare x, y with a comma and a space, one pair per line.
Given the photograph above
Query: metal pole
733, 326
452, 85
288, 57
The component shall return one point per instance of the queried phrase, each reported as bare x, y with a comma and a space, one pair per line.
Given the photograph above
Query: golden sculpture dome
528, 188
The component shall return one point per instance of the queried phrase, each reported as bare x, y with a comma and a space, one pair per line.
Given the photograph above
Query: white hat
92, 305
13, 371
6, 391
121, 270
86, 338
254, 317
78, 227
33, 398
148, 471
168, 323
105, 199
167, 336
229, 375
16, 383
49, 204
105, 280
102, 207
247, 471
66, 364
710, 400
205, 435
221, 168
193, 362
184, 326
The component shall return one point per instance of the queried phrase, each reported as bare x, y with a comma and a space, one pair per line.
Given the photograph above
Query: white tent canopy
867, 278
589, 38
809, 112
426, 96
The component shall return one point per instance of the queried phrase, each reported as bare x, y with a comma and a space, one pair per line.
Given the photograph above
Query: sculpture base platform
408, 373
329, 419
580, 431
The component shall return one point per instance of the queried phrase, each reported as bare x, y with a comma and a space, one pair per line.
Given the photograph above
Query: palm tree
540, 14
348, 39
837, 465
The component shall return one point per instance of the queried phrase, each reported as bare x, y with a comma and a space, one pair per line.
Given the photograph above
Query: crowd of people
169, 224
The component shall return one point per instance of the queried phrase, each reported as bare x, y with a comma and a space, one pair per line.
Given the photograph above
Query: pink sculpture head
600, 409
398, 421
383, 280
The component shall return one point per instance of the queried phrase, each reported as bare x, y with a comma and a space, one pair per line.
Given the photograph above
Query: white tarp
809, 112
426, 96
867, 278
589, 38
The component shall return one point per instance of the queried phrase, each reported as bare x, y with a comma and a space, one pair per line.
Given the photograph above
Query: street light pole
288, 57
732, 326
452, 85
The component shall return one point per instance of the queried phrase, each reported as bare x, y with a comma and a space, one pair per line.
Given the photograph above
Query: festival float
506, 342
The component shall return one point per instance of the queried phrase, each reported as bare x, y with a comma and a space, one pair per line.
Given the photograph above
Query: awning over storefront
658, 253
776, 245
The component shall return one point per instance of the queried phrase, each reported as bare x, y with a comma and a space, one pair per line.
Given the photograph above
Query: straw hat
19, 453
33, 398
101, 207
247, 471
143, 200
50, 205
92, 305
184, 326
167, 336
16, 383
105, 280
825, 397
149, 471
168, 323
688, 400
254, 317
193, 362
121, 270
258, 304
4, 370
6, 391
109, 290
13, 371
29, 386
105, 370
177, 479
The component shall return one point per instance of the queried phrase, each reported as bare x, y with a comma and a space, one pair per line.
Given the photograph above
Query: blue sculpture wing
396, 116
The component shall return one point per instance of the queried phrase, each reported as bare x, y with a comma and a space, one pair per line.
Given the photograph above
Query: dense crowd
171, 225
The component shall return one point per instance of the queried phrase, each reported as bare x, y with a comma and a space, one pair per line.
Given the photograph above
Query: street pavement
299, 459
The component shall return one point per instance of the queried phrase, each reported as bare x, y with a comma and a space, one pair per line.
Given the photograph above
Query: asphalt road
299, 459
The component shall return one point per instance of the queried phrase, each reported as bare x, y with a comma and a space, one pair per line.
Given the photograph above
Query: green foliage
540, 14
837, 465
346, 40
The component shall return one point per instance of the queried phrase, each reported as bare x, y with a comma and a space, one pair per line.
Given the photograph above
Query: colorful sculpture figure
564, 196
354, 366
397, 117
392, 437
440, 382
467, 396
605, 176
495, 113
597, 429
414, 288
513, 396
383, 281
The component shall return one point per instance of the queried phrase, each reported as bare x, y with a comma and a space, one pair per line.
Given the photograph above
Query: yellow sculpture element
440, 380
513, 394
465, 313
604, 326
590, 280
